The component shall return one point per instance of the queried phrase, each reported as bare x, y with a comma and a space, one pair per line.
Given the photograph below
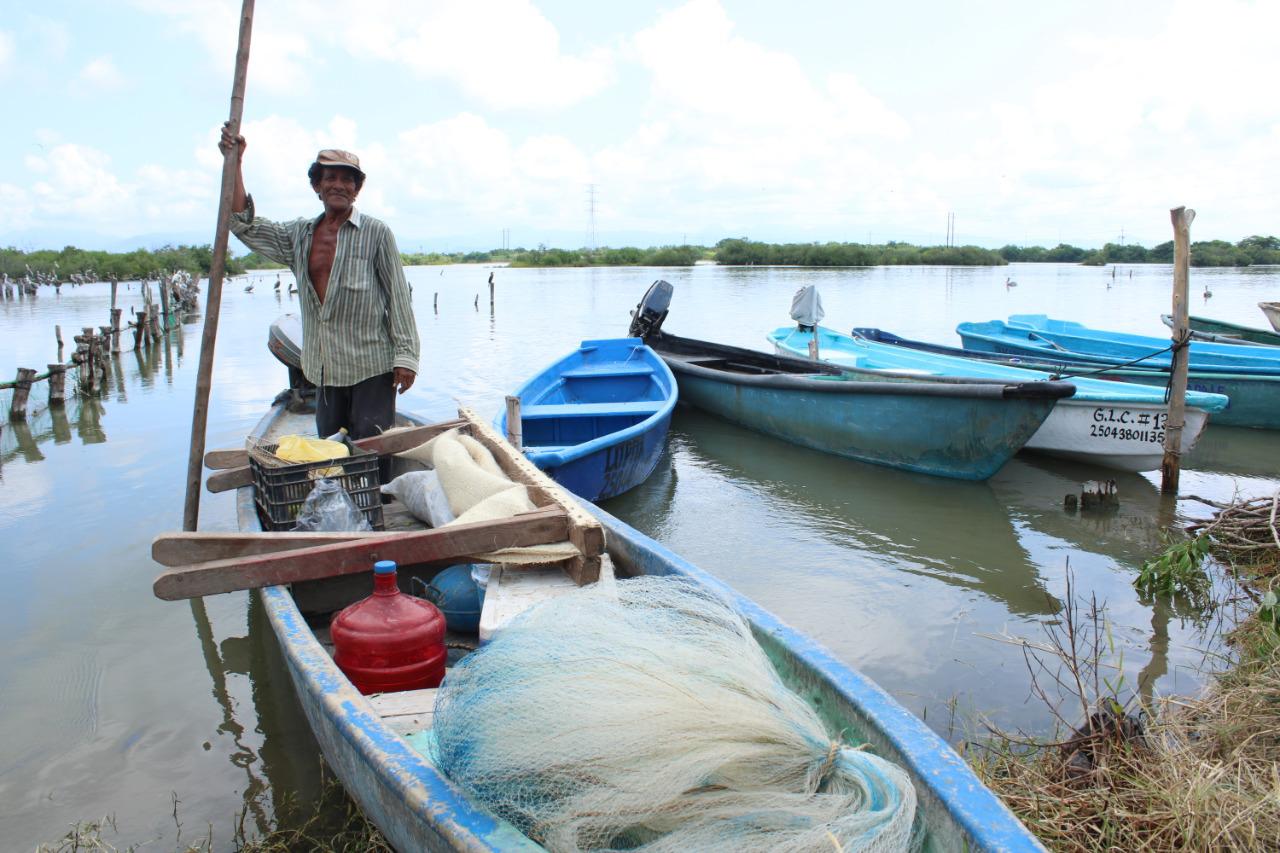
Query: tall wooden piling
164, 303
114, 284
57, 385
116, 314
515, 427
57, 333
21, 390
435, 302
1170, 467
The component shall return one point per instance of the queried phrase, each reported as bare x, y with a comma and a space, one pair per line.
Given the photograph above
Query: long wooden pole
1170, 468
204, 377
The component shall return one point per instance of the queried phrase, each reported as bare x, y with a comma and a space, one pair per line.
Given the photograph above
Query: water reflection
955, 531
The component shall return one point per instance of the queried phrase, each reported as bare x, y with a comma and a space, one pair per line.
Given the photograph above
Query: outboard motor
284, 340
647, 318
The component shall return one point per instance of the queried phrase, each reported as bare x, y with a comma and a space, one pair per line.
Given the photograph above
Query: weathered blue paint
1037, 334
1254, 396
596, 420
417, 808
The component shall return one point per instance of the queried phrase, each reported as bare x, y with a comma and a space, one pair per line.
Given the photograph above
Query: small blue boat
596, 420
1104, 423
376, 745
1254, 394
965, 430
1036, 334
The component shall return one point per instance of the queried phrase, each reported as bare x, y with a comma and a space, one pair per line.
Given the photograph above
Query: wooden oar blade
440, 546
185, 549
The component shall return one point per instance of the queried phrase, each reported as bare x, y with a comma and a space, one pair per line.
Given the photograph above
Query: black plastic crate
279, 492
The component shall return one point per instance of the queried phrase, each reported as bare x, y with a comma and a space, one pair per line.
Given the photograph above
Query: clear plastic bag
422, 495
329, 508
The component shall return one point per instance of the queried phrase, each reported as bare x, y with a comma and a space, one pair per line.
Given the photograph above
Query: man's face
337, 189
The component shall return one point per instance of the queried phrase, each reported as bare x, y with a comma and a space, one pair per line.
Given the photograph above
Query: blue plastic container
459, 598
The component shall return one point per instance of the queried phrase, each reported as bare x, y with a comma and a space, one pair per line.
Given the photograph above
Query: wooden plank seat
588, 372
582, 410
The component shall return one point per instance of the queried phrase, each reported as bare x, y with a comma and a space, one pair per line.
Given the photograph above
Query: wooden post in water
114, 284
156, 334
164, 302
435, 302
57, 333
116, 314
515, 428
204, 374
490, 293
84, 349
57, 385
21, 390
1170, 468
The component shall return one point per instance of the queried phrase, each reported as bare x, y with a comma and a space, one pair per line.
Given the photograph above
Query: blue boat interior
608, 386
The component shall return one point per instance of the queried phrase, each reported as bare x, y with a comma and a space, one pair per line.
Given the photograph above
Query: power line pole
591, 216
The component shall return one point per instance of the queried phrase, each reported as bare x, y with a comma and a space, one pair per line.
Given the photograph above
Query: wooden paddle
395, 441
440, 547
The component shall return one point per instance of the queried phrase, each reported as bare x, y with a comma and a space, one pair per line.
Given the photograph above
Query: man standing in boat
359, 339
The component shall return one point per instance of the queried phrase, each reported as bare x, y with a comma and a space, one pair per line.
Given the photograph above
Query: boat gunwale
572, 453
900, 383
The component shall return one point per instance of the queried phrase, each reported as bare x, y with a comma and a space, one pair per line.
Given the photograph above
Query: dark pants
366, 408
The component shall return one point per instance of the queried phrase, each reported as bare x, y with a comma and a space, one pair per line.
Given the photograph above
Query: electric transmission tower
591, 216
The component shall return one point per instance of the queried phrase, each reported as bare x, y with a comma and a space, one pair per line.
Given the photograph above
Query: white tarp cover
806, 306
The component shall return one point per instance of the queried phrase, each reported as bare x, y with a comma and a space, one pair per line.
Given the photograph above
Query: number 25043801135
1128, 425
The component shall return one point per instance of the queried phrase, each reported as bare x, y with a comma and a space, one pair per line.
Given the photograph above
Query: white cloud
280, 50
6, 49
505, 53
101, 74
77, 180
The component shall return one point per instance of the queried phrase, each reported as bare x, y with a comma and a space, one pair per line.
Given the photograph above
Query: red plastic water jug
389, 641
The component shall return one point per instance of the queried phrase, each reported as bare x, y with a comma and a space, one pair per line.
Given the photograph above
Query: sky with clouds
1034, 123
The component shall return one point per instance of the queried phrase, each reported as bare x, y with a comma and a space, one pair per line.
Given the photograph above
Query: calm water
112, 702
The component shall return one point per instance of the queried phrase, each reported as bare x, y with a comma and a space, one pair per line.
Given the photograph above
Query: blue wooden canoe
1114, 424
1222, 332
596, 420
372, 749
1036, 334
947, 429
1254, 395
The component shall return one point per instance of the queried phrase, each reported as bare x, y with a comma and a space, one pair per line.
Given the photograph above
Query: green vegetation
743, 252
1182, 773
1207, 253
137, 264
730, 252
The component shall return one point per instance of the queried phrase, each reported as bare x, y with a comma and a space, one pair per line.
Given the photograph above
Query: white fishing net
646, 717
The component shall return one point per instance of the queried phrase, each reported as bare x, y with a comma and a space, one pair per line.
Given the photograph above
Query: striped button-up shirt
365, 325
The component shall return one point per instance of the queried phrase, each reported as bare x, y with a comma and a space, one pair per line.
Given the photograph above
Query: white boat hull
1272, 310
1126, 436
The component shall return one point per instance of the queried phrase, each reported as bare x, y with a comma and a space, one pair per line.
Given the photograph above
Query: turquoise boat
596, 420
1254, 395
1222, 332
1113, 424
965, 430
377, 745
1037, 334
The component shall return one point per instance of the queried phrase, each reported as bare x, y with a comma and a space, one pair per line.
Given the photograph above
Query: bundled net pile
646, 716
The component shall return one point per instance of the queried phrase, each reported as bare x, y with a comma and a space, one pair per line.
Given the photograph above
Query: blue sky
1034, 123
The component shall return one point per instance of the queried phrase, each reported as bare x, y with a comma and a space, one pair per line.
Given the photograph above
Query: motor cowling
648, 315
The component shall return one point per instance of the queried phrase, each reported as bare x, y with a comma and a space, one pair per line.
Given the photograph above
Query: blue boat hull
596, 420
968, 439
1254, 398
417, 808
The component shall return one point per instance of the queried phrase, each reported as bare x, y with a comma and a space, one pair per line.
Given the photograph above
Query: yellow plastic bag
306, 448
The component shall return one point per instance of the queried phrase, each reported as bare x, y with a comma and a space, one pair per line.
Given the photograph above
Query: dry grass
1195, 774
